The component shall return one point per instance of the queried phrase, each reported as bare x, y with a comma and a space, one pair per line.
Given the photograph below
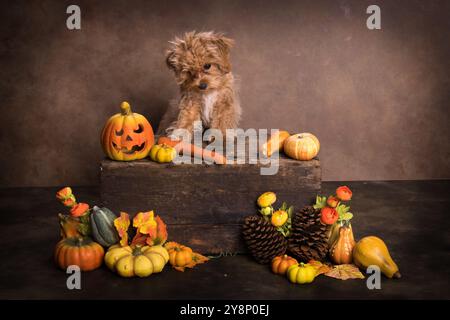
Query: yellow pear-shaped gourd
373, 251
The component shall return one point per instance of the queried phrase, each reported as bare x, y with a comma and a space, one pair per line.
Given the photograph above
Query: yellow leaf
321, 268
122, 223
344, 272
145, 222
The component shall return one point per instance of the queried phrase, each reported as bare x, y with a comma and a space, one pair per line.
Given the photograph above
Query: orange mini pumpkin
83, 252
179, 255
281, 264
127, 136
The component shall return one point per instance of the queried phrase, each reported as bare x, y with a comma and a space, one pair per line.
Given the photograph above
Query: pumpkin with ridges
179, 255
162, 153
138, 261
102, 226
301, 273
127, 136
281, 264
302, 146
83, 252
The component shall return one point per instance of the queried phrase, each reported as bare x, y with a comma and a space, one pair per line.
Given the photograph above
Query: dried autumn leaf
139, 239
181, 269
159, 236
344, 272
321, 268
122, 223
145, 222
197, 258
200, 258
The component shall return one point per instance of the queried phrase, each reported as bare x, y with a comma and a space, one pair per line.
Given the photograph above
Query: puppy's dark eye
206, 66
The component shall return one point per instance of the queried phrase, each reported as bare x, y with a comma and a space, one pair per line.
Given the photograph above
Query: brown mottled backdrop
377, 100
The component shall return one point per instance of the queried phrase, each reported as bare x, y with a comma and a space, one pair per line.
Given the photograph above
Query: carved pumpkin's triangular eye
119, 133
139, 129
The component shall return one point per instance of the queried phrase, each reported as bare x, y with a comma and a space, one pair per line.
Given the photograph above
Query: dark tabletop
412, 217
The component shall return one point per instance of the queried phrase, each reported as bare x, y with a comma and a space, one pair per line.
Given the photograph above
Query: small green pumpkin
102, 225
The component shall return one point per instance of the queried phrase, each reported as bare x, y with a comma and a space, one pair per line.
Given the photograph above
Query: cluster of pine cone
308, 239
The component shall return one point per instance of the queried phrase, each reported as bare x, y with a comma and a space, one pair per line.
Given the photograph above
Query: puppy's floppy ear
170, 59
223, 43
224, 46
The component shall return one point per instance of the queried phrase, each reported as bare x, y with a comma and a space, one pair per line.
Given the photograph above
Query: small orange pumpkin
281, 264
342, 250
179, 255
127, 136
83, 252
302, 146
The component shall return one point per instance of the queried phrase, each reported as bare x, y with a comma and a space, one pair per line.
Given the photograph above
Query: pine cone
309, 237
263, 241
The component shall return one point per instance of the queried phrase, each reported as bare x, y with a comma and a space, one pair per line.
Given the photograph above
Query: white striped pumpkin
302, 146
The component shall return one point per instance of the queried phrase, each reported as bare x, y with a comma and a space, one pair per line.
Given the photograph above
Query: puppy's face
200, 60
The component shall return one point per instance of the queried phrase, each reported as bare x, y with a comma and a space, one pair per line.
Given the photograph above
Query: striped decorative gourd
302, 146
102, 226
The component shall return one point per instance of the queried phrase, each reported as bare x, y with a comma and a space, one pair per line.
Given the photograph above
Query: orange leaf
160, 236
139, 239
181, 269
198, 258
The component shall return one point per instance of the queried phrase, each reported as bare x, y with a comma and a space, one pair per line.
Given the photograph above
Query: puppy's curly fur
202, 68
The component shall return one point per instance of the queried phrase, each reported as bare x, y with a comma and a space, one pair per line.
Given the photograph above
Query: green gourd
102, 225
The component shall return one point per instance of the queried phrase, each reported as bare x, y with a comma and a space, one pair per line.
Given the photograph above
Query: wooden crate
204, 205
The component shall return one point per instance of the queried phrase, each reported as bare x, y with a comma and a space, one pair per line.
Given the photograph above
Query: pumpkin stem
137, 251
80, 242
125, 108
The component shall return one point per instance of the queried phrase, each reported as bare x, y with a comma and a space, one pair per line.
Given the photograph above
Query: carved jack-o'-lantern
127, 136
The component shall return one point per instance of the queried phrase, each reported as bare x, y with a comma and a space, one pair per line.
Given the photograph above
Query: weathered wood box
204, 205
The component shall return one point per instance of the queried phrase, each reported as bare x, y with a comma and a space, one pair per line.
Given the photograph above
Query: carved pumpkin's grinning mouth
135, 148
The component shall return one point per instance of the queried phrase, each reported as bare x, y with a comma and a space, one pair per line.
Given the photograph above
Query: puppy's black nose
202, 86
